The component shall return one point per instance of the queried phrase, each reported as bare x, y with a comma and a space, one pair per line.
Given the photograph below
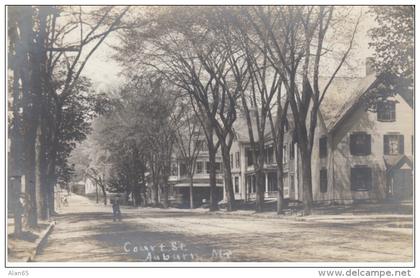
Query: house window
237, 160
361, 178
201, 145
248, 153
285, 154
323, 147
292, 151
174, 169
199, 167
360, 143
231, 160
269, 155
393, 144
183, 169
292, 182
386, 111
254, 184
323, 180
236, 184
272, 182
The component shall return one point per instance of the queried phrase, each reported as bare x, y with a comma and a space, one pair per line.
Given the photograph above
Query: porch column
266, 182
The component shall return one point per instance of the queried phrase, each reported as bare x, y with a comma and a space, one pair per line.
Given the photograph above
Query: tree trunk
191, 192
17, 205
259, 198
97, 193
155, 192
51, 195
39, 176
30, 190
212, 179
165, 194
306, 181
280, 185
104, 194
230, 196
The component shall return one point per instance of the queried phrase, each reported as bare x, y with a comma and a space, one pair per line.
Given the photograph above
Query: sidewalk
344, 214
24, 248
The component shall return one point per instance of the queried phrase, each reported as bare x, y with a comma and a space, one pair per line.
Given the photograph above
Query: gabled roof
240, 127
393, 162
342, 96
345, 94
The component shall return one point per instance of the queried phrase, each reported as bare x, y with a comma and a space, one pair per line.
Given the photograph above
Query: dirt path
85, 232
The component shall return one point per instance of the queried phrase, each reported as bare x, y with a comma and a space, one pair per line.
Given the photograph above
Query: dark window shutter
386, 145
353, 178
368, 177
368, 144
352, 144
401, 144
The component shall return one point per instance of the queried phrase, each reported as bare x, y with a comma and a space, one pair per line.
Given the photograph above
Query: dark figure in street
116, 210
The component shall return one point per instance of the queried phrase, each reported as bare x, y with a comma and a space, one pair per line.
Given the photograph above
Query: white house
358, 154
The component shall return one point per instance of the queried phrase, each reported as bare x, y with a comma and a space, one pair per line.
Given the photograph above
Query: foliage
393, 40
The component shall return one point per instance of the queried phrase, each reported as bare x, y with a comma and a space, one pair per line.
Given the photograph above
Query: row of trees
190, 72
50, 102
135, 137
256, 60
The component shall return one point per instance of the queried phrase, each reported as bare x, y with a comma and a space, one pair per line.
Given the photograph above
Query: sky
104, 71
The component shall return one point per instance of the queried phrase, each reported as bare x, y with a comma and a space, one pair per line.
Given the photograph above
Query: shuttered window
361, 178
386, 111
360, 143
323, 147
292, 151
393, 144
237, 159
236, 184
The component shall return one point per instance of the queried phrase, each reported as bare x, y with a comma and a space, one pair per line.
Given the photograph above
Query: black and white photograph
228, 135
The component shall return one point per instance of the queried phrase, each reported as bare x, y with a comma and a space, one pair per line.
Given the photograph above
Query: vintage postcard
190, 136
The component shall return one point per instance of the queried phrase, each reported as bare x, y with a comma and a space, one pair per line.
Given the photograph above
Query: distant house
179, 181
357, 155
90, 186
78, 188
242, 164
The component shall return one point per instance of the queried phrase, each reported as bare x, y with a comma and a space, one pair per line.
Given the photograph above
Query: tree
188, 138
393, 40
197, 61
44, 35
298, 42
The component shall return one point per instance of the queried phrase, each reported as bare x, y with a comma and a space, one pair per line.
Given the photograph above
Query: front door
403, 184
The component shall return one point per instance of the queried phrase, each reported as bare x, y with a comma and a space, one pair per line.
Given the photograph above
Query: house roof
240, 126
393, 162
341, 96
345, 93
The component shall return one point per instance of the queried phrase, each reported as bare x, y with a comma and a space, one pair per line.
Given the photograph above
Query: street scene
85, 232
150, 134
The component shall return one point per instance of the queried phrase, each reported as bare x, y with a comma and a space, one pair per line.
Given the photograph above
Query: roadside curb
40, 242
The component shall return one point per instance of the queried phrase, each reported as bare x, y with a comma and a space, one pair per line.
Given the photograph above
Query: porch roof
196, 185
393, 162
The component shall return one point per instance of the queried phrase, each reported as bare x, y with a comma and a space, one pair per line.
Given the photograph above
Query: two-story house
364, 154
179, 180
358, 154
243, 168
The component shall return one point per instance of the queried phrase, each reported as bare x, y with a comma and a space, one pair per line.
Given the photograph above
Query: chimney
370, 65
